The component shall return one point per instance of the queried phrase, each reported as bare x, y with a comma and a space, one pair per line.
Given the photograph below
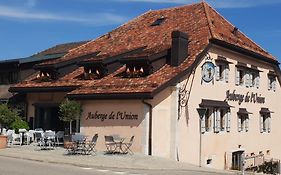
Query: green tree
7, 116
70, 111
19, 124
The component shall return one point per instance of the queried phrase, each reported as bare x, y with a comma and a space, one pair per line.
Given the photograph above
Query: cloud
215, 3
98, 19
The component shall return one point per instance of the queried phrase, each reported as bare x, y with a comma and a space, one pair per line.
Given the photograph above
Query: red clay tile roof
60, 48
200, 21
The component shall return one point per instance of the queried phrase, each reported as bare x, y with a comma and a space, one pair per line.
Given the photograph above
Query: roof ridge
240, 32
177, 7
208, 17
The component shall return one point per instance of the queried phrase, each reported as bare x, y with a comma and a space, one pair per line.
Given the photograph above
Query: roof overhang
42, 89
110, 96
243, 51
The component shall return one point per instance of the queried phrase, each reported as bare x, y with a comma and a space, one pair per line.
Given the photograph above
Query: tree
70, 111
7, 116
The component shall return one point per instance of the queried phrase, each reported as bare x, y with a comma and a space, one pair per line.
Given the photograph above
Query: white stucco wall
216, 145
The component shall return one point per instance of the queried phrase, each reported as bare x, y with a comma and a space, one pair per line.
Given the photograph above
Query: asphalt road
12, 166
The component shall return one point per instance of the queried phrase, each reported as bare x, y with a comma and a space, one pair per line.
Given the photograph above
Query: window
240, 77
265, 122
219, 117
243, 122
271, 83
222, 72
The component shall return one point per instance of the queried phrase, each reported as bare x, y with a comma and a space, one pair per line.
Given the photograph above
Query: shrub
19, 124
7, 115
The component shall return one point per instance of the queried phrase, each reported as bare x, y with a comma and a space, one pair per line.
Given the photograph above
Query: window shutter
216, 120
217, 72
257, 80
274, 85
247, 81
203, 128
239, 123
228, 121
226, 73
237, 76
251, 79
268, 124
268, 84
261, 124
247, 124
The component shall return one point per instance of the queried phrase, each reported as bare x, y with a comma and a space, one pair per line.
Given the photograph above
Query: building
13, 71
154, 75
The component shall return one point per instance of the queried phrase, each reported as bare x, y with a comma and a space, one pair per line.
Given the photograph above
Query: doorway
237, 163
47, 118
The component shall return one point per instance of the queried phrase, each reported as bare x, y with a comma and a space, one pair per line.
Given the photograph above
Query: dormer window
92, 73
158, 21
46, 76
134, 72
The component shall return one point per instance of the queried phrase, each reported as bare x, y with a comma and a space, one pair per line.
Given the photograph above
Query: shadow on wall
112, 118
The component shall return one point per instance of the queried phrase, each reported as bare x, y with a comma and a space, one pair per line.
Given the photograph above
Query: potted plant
7, 117
69, 111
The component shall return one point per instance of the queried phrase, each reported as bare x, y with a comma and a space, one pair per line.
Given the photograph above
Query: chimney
179, 48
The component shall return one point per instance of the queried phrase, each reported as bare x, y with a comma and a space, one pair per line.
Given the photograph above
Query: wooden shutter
226, 73
261, 123
237, 77
217, 120
247, 79
217, 72
274, 85
228, 160
268, 84
247, 123
251, 80
268, 124
239, 123
228, 120
203, 127
257, 79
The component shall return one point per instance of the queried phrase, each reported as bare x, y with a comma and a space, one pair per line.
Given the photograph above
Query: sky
30, 26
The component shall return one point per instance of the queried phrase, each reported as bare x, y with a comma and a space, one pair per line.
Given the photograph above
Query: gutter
149, 127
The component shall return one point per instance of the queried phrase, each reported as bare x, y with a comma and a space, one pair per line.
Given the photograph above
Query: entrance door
47, 118
237, 160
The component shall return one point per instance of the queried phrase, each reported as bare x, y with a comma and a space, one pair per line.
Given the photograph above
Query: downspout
149, 127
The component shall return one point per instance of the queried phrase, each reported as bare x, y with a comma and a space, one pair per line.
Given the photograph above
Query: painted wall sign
113, 115
249, 97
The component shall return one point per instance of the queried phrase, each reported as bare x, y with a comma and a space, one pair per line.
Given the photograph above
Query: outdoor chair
90, 146
126, 146
110, 144
59, 138
39, 138
49, 139
13, 138
77, 144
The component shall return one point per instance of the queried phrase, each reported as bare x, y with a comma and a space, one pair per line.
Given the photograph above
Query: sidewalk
136, 161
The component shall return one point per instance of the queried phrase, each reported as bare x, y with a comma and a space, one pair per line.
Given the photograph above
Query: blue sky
29, 26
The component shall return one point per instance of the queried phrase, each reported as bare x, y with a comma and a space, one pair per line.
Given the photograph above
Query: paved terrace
100, 160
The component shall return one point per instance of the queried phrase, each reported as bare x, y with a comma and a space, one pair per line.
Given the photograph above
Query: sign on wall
249, 97
113, 115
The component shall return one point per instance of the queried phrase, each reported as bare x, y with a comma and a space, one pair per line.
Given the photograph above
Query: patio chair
90, 146
110, 144
13, 138
59, 138
126, 146
39, 138
49, 138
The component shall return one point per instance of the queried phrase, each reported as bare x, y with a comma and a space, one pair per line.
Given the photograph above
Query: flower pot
3, 141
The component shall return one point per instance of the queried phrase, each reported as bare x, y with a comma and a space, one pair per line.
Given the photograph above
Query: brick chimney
179, 48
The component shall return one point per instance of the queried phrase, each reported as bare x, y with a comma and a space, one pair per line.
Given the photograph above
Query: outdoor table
118, 141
